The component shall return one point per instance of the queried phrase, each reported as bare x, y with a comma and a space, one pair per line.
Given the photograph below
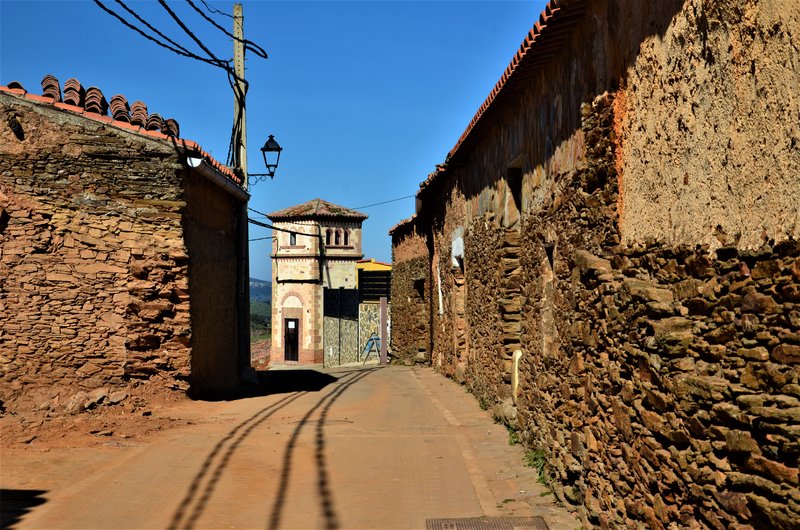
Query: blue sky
364, 96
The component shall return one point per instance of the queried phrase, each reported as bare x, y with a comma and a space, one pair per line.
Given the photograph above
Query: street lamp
271, 146
271, 160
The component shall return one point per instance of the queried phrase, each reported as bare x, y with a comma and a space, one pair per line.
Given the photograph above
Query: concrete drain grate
487, 523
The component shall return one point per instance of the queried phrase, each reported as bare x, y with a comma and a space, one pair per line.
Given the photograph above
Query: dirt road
374, 447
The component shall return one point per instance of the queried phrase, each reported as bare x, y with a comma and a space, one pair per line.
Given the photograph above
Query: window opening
328, 236
346, 237
292, 239
337, 238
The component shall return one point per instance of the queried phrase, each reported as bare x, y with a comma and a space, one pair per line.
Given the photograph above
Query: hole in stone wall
419, 286
4, 219
549, 249
514, 178
16, 128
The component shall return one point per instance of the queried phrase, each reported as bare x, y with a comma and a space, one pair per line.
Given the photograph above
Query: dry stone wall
653, 286
410, 297
670, 395
93, 267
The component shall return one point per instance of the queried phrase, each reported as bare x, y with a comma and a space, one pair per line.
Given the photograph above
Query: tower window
346, 237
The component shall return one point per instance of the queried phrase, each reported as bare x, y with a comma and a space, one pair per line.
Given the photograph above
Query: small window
292, 239
328, 236
338, 238
346, 237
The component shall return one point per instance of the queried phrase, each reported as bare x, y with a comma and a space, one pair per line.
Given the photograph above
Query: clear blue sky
364, 96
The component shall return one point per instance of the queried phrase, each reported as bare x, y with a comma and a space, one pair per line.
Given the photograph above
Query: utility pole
246, 372
239, 107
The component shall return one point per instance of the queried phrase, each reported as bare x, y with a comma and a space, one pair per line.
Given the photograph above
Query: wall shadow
14, 504
296, 384
326, 500
272, 382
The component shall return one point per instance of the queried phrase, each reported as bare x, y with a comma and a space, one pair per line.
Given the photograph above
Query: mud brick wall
664, 387
410, 297
94, 271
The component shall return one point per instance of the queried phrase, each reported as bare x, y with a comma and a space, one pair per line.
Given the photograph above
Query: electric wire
385, 202
233, 158
248, 44
215, 10
149, 37
151, 28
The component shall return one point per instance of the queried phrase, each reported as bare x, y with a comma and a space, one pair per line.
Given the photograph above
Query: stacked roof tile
50, 87
119, 108
95, 101
91, 103
139, 113
73, 92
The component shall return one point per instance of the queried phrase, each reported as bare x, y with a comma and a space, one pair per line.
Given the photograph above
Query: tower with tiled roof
315, 249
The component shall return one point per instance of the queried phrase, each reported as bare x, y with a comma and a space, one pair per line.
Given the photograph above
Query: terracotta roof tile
556, 20
74, 94
119, 108
316, 208
50, 87
92, 104
556, 13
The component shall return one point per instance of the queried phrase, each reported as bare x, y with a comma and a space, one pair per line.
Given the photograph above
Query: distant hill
260, 290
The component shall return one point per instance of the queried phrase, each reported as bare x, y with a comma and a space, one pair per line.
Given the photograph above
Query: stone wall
410, 297
665, 388
94, 267
369, 322
340, 337
210, 231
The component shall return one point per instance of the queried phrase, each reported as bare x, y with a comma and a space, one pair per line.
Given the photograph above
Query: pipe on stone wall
205, 169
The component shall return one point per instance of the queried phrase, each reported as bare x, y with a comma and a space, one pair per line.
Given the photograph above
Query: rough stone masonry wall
93, 269
410, 339
664, 388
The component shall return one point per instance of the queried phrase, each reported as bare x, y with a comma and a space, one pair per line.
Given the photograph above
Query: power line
215, 10
175, 47
385, 202
248, 44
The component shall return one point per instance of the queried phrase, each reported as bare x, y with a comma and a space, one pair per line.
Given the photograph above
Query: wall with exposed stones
640, 264
94, 266
410, 297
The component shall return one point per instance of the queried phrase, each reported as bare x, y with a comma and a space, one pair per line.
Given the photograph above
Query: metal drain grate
487, 523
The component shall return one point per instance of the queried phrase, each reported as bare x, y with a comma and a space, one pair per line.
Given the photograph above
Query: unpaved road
374, 447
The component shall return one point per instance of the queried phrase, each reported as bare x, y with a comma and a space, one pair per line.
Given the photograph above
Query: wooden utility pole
239, 107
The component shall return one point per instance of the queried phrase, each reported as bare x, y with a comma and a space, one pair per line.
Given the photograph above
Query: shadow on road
271, 382
14, 504
295, 383
323, 488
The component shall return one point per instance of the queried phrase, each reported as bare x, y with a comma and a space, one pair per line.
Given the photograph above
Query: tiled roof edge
287, 213
187, 145
547, 19
402, 224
